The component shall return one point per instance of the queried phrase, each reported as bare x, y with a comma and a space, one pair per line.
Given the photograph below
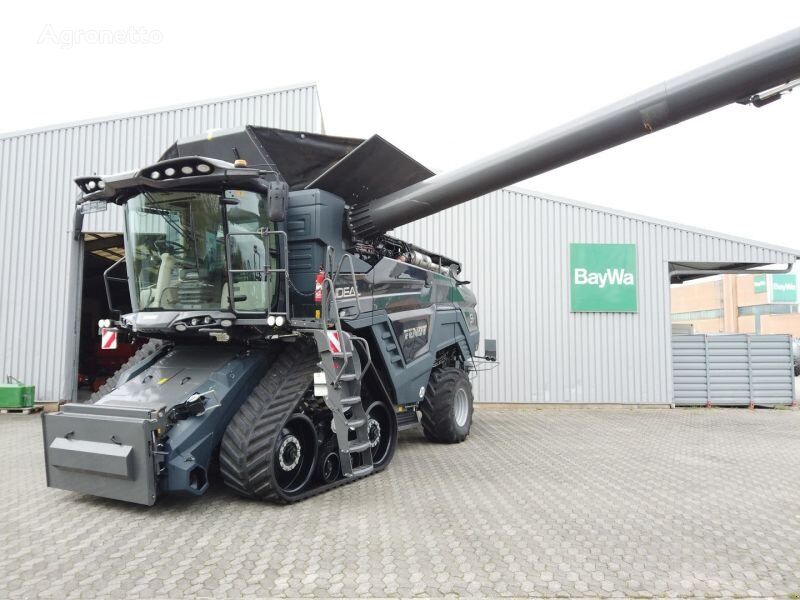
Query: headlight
279, 321
155, 175
187, 170
169, 172
203, 168
271, 321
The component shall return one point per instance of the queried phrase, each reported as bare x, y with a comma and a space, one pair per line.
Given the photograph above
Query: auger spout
742, 77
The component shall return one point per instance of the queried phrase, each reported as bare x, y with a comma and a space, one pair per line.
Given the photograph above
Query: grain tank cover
372, 170
353, 169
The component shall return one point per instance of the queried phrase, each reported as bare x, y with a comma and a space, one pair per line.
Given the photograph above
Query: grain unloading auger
290, 336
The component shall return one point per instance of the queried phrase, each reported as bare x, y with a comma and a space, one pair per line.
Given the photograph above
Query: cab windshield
177, 258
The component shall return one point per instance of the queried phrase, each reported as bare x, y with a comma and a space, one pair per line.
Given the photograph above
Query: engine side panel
415, 314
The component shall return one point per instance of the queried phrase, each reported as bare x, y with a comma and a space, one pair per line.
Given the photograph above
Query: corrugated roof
158, 110
645, 219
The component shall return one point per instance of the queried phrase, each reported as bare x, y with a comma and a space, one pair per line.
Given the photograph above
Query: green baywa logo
783, 286
602, 279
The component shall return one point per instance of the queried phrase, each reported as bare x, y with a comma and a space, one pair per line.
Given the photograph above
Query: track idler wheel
295, 454
382, 432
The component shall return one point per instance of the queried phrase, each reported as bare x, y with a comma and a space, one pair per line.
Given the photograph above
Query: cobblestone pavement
535, 503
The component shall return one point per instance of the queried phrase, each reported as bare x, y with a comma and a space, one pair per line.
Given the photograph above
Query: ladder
341, 363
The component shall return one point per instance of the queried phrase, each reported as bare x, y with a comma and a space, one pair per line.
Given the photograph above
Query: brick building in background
738, 304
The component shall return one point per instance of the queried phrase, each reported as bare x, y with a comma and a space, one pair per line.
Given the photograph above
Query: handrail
107, 278
349, 257
266, 270
337, 324
361, 340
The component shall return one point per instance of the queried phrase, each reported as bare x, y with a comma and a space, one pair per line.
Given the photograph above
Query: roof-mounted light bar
90, 184
173, 173
177, 169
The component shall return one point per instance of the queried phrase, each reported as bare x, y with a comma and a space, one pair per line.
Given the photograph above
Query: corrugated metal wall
733, 370
514, 245
515, 249
38, 260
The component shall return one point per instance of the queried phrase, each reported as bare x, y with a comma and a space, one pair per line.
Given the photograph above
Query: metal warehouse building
575, 344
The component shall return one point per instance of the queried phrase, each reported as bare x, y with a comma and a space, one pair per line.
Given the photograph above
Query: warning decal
333, 341
108, 339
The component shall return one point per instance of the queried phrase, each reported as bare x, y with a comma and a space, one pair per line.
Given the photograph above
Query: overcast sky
447, 82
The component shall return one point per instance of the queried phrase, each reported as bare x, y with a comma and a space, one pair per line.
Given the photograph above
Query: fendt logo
608, 277
602, 278
416, 332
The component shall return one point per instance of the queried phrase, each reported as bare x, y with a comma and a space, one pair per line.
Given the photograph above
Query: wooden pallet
21, 411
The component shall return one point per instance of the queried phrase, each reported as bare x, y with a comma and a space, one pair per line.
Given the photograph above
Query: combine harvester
291, 337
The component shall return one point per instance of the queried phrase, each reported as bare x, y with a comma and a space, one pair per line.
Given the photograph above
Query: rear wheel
447, 407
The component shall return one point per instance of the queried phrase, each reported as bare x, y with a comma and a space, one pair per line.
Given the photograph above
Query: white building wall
514, 246
39, 259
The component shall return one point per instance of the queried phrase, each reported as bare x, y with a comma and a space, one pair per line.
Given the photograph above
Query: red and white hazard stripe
334, 342
108, 339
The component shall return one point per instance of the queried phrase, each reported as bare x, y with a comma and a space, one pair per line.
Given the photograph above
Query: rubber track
436, 416
150, 347
246, 451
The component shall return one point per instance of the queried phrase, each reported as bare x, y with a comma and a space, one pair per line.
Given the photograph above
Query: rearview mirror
277, 201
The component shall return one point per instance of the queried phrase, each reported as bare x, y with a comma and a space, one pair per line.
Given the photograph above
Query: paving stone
540, 503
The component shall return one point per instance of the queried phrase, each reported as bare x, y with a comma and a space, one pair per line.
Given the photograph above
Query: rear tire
148, 349
447, 407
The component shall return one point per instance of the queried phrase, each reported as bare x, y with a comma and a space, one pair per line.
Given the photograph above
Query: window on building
767, 309
697, 315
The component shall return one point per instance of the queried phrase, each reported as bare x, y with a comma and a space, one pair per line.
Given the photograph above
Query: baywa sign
603, 278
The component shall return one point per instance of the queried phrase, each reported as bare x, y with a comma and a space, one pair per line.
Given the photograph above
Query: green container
16, 396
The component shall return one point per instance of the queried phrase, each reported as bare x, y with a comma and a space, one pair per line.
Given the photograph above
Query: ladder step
348, 377
356, 447
407, 419
350, 400
362, 470
342, 354
356, 423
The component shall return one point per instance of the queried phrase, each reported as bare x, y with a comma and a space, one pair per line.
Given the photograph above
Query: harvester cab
205, 242
290, 335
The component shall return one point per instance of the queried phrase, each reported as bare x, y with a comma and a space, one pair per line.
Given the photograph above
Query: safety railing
266, 272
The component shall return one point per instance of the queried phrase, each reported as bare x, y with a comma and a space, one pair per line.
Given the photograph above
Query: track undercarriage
300, 423
286, 443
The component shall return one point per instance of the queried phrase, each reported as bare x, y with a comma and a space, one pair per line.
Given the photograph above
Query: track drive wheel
447, 406
269, 450
382, 431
